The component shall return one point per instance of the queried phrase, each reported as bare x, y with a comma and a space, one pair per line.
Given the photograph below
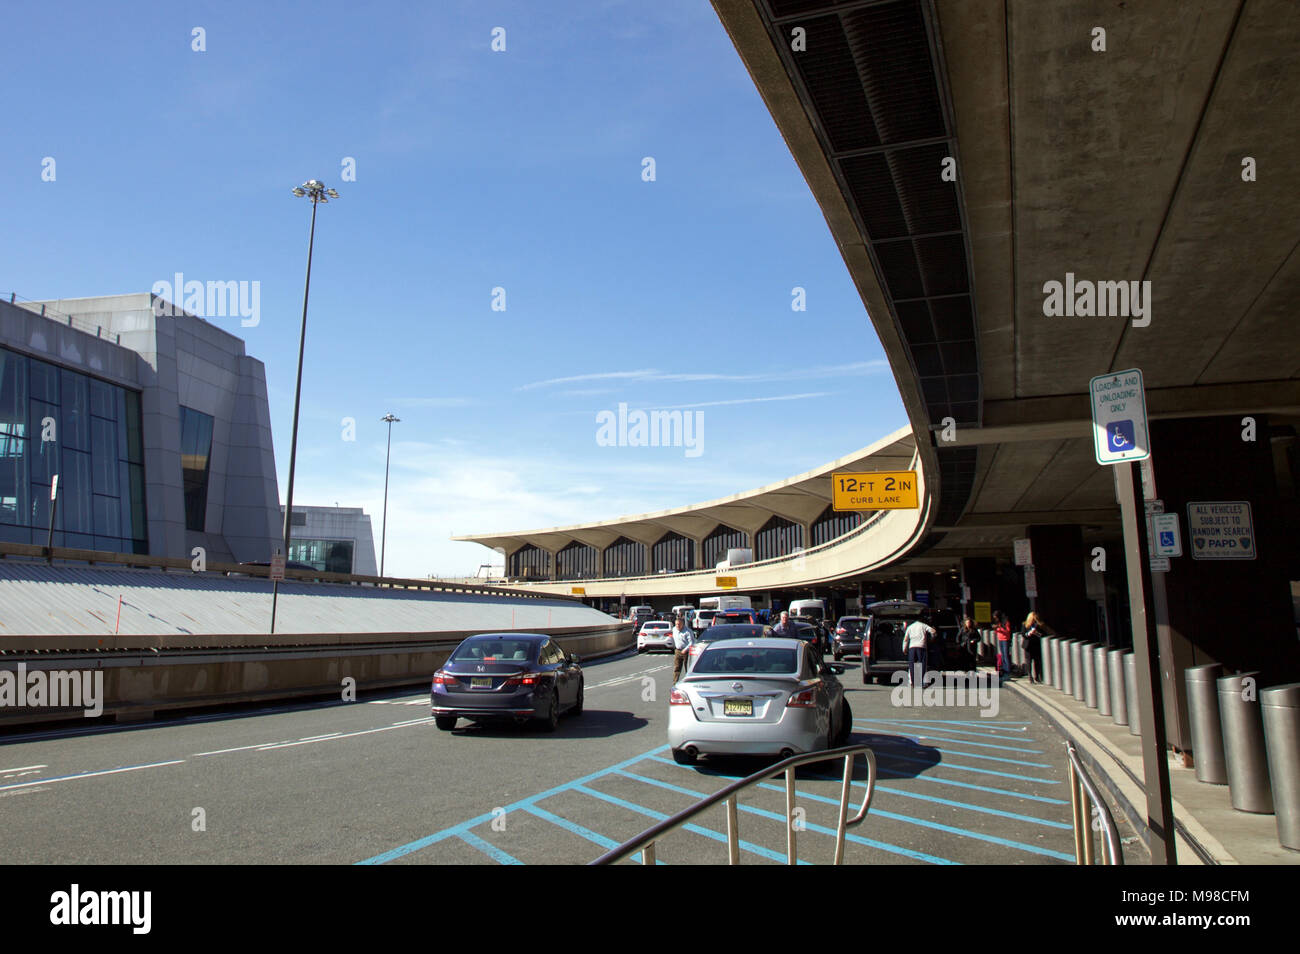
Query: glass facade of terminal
577, 561
330, 556
779, 537
54, 421
674, 552
625, 557
717, 543
832, 524
530, 563
196, 451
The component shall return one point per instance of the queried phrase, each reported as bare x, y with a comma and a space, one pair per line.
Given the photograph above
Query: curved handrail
645, 841
1082, 829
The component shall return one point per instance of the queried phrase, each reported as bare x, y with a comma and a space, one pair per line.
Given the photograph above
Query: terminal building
332, 539
155, 422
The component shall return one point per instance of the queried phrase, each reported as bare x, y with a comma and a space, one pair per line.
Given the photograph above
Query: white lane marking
631, 677
238, 748
70, 778
23, 768
346, 735
314, 738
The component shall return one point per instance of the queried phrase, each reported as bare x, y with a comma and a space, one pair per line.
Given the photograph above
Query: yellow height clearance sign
875, 490
726, 582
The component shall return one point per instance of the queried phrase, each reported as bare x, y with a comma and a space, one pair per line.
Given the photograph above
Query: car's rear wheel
846, 723
446, 723
551, 721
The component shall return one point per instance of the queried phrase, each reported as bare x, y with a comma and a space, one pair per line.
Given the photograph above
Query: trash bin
1076, 669
1089, 676
1203, 715
1131, 694
1118, 695
1243, 743
1281, 705
1102, 669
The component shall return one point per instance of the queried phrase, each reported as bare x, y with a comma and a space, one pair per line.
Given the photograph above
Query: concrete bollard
1089, 676
1102, 669
1118, 696
1243, 743
1281, 705
1131, 694
1203, 718
1076, 669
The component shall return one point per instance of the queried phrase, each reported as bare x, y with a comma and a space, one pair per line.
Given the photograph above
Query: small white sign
1221, 530
1031, 581
1119, 417
1159, 564
54, 487
1166, 540
277, 566
1024, 554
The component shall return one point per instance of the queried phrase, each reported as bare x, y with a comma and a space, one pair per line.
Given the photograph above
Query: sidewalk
1208, 829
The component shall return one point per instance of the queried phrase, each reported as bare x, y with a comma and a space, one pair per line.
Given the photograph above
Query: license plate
738, 707
480, 682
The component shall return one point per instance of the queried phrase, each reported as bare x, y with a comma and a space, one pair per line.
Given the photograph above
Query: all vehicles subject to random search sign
875, 490
1221, 530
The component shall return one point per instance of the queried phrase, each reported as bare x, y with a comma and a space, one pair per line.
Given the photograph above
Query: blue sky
474, 170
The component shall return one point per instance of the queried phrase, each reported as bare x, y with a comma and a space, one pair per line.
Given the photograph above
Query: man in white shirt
916, 639
683, 638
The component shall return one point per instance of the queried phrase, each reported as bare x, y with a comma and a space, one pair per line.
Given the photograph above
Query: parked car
847, 640
722, 631
656, 634
765, 696
507, 677
882, 642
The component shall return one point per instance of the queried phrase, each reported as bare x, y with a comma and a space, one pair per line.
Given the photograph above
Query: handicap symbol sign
1166, 538
1121, 435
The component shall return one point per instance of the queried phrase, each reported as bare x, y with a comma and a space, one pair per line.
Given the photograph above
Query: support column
1061, 568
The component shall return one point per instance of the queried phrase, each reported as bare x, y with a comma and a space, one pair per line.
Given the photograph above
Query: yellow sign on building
875, 490
579, 591
726, 582
983, 612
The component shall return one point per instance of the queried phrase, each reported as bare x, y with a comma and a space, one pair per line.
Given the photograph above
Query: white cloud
653, 375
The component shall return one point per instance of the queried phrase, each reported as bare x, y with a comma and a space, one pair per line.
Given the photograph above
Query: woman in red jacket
1002, 626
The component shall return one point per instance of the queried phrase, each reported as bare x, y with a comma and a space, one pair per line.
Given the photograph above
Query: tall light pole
315, 190
384, 538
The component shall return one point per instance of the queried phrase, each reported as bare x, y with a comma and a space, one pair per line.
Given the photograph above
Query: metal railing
645, 842
1086, 801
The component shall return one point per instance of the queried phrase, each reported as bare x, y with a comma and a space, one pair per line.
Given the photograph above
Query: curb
1195, 844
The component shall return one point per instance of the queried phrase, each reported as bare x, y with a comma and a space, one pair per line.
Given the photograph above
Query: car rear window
496, 650
731, 660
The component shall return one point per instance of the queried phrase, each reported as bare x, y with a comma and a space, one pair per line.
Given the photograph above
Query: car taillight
523, 679
841, 631
806, 699
441, 678
866, 645
678, 698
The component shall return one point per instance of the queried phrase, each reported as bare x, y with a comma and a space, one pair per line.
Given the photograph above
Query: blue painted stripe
946, 738
979, 735
465, 826
693, 828
489, 849
817, 829
938, 781
574, 827
966, 755
945, 764
986, 723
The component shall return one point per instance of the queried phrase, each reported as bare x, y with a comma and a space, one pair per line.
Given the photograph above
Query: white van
721, 603
813, 609
639, 614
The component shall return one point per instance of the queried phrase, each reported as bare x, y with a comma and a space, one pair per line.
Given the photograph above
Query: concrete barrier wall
139, 683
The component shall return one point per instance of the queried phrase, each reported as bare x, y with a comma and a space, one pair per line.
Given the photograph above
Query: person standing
1002, 626
784, 628
683, 639
970, 641
916, 640
1035, 630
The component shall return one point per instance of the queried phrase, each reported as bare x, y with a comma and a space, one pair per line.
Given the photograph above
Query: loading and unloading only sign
875, 490
1119, 417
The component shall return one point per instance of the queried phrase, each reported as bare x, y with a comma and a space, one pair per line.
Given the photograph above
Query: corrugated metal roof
38, 599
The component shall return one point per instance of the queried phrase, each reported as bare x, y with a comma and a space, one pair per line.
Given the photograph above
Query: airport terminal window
57, 421
717, 543
674, 552
329, 556
779, 537
625, 557
196, 450
530, 563
831, 525
577, 561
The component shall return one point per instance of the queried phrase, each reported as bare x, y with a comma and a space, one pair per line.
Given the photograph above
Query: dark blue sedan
507, 676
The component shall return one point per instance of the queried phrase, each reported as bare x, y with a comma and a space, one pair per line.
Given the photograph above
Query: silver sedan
765, 696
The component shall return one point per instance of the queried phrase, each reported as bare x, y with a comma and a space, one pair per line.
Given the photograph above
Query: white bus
720, 603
